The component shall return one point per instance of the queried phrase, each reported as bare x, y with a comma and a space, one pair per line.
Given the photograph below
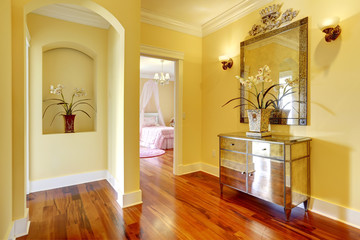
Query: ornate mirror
285, 51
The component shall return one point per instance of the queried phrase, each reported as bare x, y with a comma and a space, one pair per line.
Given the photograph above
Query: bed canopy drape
150, 89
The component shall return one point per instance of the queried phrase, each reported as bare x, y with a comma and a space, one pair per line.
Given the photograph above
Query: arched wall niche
73, 45
74, 66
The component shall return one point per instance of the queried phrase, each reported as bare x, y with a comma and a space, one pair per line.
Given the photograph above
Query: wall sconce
226, 61
331, 28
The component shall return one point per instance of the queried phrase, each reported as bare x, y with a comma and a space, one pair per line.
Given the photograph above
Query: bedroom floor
174, 207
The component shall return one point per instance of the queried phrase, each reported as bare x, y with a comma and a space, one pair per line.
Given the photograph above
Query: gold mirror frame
303, 71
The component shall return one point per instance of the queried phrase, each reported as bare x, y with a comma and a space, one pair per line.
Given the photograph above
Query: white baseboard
336, 212
113, 182
210, 169
190, 168
130, 199
127, 199
124, 200
20, 227
196, 167
52, 183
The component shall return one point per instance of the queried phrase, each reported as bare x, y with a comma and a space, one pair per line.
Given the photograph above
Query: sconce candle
331, 28
226, 61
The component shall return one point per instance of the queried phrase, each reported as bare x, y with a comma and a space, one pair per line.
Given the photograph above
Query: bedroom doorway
178, 58
157, 109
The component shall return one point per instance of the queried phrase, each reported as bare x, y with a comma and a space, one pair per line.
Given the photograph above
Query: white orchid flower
52, 89
266, 68
278, 87
292, 82
79, 92
259, 78
268, 79
242, 81
57, 90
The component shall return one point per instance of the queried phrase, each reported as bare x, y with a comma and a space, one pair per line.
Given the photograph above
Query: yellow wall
125, 16
5, 121
66, 154
166, 98
191, 47
333, 89
332, 94
116, 96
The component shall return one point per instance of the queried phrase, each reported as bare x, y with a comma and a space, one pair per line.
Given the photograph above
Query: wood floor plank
174, 207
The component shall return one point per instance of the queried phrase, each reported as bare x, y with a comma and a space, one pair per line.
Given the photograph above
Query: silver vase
259, 122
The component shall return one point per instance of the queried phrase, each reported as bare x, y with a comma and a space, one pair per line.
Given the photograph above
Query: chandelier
162, 78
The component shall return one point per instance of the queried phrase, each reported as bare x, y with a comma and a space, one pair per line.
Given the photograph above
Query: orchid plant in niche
68, 107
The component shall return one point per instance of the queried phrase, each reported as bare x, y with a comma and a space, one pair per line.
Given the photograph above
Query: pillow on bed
149, 122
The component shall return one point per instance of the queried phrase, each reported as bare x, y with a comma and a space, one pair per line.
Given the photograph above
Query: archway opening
99, 153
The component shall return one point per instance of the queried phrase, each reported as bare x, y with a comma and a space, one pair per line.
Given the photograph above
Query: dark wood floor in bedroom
175, 207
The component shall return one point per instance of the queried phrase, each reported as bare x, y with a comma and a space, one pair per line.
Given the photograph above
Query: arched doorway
124, 151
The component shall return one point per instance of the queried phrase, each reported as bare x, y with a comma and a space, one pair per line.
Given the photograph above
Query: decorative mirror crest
269, 17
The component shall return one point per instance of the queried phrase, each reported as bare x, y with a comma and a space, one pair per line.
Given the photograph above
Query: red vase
69, 123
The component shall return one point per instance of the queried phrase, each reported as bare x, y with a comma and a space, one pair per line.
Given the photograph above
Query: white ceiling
195, 12
149, 66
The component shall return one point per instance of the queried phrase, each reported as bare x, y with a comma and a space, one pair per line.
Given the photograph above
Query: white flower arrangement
69, 108
259, 94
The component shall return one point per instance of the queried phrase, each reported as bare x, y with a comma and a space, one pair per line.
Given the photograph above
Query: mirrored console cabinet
274, 168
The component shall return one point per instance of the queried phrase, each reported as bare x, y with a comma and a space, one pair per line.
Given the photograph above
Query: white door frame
178, 57
27, 116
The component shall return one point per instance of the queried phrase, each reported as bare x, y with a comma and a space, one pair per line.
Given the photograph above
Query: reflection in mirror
284, 50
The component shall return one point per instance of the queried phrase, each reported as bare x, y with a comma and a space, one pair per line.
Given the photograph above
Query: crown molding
155, 51
169, 23
73, 13
231, 15
220, 21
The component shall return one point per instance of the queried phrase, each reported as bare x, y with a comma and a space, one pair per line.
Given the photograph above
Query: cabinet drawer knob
264, 149
233, 144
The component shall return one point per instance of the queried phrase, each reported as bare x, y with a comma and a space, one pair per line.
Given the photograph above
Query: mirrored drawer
265, 149
233, 144
233, 160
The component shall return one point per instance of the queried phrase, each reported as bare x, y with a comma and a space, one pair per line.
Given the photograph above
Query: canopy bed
153, 132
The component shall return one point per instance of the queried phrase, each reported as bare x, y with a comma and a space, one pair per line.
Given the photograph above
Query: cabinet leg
287, 213
221, 189
306, 205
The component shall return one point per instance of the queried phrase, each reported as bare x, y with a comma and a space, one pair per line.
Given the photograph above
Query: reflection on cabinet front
274, 168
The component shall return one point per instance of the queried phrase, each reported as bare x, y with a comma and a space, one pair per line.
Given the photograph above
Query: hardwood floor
175, 207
